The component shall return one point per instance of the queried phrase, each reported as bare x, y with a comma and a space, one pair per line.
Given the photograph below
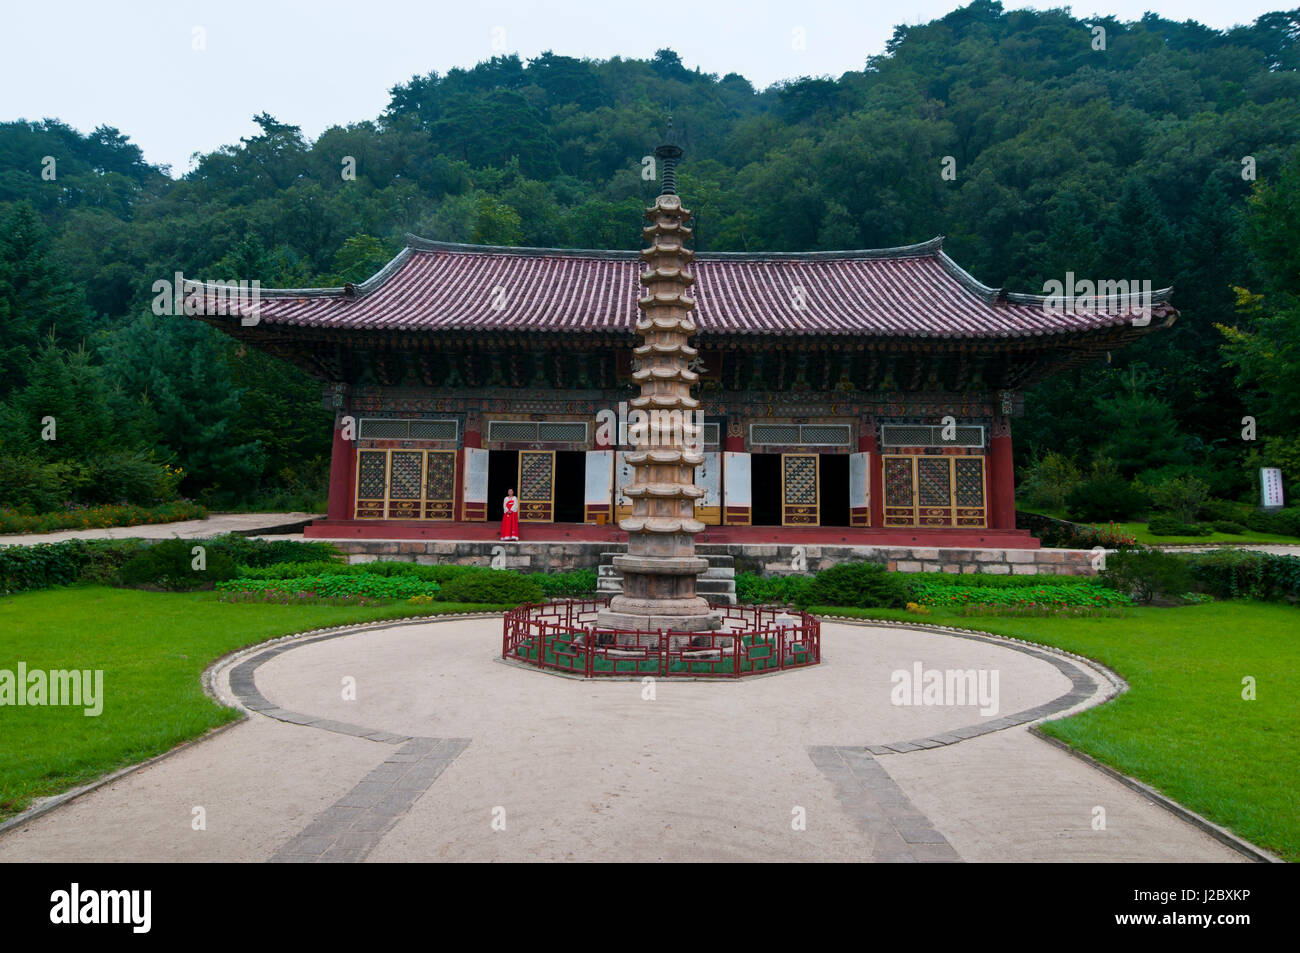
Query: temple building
852, 396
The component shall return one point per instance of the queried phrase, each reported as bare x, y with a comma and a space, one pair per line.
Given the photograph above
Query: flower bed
348, 586
1045, 597
99, 517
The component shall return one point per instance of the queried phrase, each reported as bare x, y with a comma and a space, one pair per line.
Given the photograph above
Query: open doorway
765, 489
570, 486
833, 489
503, 473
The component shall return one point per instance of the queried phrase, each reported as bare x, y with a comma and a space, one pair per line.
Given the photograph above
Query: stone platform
766, 558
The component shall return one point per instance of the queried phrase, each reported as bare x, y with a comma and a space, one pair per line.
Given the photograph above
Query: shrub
1105, 498
1049, 481
130, 478
492, 587
1227, 526
1242, 574
1042, 595
44, 565
1182, 496
787, 590
1146, 574
27, 482
557, 585
336, 586
990, 581
261, 552
170, 565
1165, 524
859, 584
98, 517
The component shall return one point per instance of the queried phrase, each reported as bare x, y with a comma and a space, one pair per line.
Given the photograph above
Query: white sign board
475, 483
709, 476
1270, 487
600, 471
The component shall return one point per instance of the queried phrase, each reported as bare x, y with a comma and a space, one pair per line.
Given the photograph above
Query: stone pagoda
660, 568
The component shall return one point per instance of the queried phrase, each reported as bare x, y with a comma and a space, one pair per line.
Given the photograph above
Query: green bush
24, 568
990, 581
492, 587
1043, 594
170, 564
1227, 526
1183, 497
130, 478
1147, 574
1105, 498
99, 517
1242, 574
262, 552
342, 586
1165, 524
787, 590
858, 584
30, 484
1049, 481
565, 585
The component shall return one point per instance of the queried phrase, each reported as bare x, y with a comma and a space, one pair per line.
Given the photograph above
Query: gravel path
486, 761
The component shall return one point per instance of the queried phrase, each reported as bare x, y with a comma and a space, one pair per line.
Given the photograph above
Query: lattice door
440, 485
968, 490
799, 504
536, 486
405, 484
900, 491
935, 491
372, 484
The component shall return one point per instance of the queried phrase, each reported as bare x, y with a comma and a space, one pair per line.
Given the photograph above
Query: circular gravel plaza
449, 753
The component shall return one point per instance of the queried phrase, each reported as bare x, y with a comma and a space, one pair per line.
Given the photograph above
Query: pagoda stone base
679, 615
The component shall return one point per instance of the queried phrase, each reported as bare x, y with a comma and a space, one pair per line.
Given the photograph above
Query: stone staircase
716, 584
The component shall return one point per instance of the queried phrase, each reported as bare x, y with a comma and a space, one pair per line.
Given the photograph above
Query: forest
1167, 152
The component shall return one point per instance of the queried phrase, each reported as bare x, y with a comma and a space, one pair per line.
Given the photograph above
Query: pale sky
317, 63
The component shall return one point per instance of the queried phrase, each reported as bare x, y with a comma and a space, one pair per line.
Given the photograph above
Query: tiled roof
911, 291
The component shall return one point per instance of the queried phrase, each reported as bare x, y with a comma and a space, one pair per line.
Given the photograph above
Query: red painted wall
343, 465
1002, 484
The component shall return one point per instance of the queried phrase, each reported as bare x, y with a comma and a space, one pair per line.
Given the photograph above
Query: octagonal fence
563, 636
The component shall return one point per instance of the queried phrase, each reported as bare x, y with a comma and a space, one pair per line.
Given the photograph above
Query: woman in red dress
510, 517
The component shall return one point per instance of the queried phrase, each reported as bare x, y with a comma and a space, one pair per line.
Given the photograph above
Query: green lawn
1143, 535
152, 648
1183, 726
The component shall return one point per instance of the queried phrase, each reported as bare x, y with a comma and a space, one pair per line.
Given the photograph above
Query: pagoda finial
668, 153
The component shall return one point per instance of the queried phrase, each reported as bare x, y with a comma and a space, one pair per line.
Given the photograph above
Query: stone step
715, 562
723, 572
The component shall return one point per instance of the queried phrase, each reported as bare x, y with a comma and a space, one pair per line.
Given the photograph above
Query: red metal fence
563, 636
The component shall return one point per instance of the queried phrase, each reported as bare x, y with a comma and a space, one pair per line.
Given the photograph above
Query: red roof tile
912, 291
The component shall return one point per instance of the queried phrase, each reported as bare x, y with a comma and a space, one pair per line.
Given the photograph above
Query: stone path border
1083, 687
899, 832
46, 805
1221, 834
1057, 657
352, 826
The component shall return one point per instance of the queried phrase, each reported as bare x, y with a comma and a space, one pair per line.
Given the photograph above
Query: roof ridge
923, 249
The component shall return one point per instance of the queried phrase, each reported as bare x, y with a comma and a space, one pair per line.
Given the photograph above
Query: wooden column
1001, 477
343, 469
